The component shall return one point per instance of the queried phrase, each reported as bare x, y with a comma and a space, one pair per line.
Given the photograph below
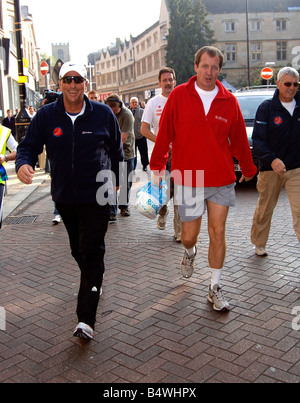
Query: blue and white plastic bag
150, 199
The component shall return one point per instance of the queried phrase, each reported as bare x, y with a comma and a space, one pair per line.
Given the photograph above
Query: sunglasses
69, 79
296, 85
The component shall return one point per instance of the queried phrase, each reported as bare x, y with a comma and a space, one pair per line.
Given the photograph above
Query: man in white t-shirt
150, 119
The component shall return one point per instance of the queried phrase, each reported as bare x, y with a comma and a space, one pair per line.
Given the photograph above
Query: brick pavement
153, 326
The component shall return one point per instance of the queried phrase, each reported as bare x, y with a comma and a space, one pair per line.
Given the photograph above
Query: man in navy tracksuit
83, 143
276, 144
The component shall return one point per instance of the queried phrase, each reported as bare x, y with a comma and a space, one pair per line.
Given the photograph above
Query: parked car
249, 99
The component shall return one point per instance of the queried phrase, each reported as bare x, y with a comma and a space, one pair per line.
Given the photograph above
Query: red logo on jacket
278, 120
57, 132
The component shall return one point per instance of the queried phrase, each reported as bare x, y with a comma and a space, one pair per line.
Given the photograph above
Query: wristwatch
6, 158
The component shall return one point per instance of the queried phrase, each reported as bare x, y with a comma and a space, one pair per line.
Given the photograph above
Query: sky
89, 25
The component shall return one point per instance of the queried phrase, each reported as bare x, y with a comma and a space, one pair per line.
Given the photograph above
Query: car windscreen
249, 105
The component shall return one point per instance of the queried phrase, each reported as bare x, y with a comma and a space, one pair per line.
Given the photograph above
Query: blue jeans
124, 192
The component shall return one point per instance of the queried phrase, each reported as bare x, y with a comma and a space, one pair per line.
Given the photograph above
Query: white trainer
216, 297
188, 264
84, 331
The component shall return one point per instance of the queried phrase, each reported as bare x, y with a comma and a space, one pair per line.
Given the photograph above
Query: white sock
215, 276
191, 251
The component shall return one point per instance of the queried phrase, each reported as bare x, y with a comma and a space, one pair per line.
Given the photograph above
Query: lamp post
90, 67
22, 120
247, 33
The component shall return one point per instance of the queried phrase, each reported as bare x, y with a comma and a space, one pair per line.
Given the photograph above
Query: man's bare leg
217, 216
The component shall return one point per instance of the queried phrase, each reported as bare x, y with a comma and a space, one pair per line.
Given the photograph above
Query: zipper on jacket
73, 162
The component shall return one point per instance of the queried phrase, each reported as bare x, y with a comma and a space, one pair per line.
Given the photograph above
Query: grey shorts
192, 201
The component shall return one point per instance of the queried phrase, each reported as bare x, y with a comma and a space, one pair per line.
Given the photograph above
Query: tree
189, 31
44, 56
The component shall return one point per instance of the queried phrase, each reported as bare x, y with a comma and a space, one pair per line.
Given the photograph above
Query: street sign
266, 73
44, 68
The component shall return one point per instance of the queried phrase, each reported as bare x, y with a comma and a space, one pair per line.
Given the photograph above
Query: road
153, 326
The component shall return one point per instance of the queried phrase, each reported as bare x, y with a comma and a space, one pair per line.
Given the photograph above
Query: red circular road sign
266, 73
44, 68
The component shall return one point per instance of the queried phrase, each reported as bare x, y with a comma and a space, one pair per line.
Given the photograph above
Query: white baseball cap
69, 66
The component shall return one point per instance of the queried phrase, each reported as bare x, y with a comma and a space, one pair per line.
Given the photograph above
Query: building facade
130, 68
272, 37
9, 87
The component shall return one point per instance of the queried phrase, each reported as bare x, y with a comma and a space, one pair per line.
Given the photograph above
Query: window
229, 26
11, 25
231, 52
149, 63
1, 20
281, 51
156, 61
255, 25
138, 68
144, 66
281, 25
256, 51
60, 54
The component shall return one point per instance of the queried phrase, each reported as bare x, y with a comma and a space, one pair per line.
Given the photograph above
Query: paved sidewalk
153, 325
16, 191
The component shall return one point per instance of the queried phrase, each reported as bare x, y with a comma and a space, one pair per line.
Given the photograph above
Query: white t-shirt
153, 111
290, 106
73, 116
207, 96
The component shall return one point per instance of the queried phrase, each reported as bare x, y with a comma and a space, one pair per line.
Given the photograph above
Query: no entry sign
44, 68
267, 73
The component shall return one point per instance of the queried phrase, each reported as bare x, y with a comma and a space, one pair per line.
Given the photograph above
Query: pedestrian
31, 111
93, 96
10, 122
140, 140
126, 122
204, 124
276, 144
7, 141
83, 141
150, 121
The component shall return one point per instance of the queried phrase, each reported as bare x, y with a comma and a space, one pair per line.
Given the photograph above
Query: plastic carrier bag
150, 199
3, 175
